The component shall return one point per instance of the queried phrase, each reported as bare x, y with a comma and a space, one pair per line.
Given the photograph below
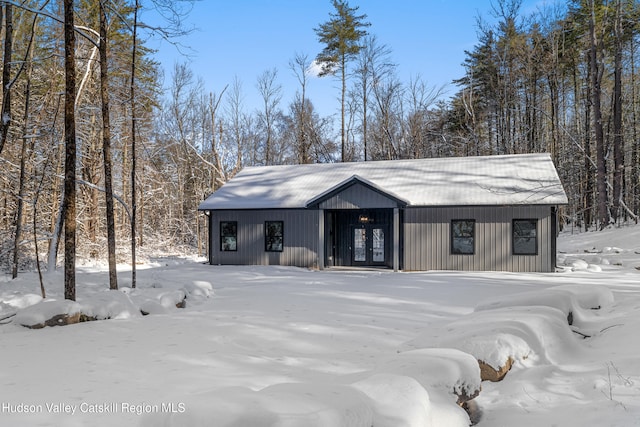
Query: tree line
561, 80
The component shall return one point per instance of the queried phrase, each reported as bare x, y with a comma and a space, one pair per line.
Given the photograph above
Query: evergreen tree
341, 36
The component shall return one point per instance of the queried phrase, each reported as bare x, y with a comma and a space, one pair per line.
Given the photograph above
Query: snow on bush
493, 336
40, 312
109, 304
577, 302
100, 303
445, 369
398, 400
412, 389
199, 289
17, 300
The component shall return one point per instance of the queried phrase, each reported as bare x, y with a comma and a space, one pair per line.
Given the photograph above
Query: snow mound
199, 289
285, 405
157, 300
40, 312
577, 302
17, 300
412, 389
494, 336
398, 401
445, 369
124, 303
109, 304
381, 400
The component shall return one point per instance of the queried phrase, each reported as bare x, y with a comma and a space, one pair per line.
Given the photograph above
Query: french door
369, 245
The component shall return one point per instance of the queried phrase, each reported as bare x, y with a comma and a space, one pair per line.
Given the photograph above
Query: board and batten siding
301, 238
358, 196
427, 239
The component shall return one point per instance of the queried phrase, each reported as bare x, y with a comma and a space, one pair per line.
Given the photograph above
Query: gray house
464, 213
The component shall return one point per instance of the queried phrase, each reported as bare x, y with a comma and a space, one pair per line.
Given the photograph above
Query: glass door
359, 244
377, 245
369, 246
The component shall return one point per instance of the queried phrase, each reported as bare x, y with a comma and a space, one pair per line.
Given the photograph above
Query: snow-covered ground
271, 346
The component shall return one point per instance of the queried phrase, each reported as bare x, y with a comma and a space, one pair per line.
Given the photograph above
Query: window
273, 236
463, 236
228, 235
525, 236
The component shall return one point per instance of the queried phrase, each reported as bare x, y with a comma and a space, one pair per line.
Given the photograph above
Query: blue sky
243, 38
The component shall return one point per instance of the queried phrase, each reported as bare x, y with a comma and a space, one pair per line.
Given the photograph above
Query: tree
5, 111
106, 148
28, 63
69, 201
300, 65
132, 91
596, 69
341, 36
373, 65
271, 94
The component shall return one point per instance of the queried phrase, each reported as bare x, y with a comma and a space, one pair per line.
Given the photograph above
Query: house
464, 213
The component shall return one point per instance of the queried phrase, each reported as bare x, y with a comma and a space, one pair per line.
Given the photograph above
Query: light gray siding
358, 196
301, 238
427, 239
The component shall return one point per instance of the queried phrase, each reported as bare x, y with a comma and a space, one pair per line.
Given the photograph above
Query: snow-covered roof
455, 181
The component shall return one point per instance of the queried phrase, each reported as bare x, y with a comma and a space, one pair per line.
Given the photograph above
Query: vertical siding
301, 238
427, 236
358, 196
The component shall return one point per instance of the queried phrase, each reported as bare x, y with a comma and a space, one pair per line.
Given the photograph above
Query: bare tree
236, 117
300, 65
28, 64
271, 94
373, 65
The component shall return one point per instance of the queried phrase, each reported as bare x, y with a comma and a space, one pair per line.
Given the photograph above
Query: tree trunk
596, 90
5, 112
106, 149
69, 202
587, 184
20, 207
23, 160
133, 144
635, 149
618, 138
343, 65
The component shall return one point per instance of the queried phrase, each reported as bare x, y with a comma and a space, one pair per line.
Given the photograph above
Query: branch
115, 196
208, 163
581, 148
42, 12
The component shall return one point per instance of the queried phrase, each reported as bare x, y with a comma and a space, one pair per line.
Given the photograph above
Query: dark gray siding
301, 237
358, 196
427, 239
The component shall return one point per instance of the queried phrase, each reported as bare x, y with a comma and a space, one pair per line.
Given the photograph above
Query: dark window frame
514, 246
269, 241
453, 237
224, 235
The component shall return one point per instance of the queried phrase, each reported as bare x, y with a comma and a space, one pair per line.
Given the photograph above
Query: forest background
562, 80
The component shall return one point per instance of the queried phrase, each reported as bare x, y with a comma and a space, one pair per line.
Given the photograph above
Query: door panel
359, 244
369, 246
378, 252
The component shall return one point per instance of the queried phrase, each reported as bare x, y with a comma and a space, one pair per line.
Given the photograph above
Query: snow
526, 179
276, 346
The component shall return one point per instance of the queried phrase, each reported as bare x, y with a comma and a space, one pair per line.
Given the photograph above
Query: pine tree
341, 36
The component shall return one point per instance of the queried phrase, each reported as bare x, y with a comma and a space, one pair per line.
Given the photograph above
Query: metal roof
520, 179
